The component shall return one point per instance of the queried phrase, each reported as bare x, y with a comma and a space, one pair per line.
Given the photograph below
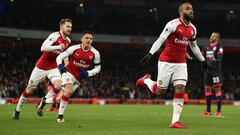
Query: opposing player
178, 33
84, 61
46, 66
212, 73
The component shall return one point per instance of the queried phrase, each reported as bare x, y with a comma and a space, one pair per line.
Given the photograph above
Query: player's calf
40, 106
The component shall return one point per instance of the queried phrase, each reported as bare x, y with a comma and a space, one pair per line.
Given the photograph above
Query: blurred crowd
117, 78
117, 20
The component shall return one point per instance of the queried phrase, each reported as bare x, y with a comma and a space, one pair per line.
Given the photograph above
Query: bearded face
187, 11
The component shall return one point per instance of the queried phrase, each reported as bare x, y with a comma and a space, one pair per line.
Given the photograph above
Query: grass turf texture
119, 120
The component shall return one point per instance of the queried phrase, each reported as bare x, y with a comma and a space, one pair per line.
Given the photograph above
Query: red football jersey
48, 59
177, 35
80, 60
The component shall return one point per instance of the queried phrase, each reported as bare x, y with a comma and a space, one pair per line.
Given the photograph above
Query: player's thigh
207, 79
216, 80
180, 74
68, 82
164, 74
75, 86
37, 76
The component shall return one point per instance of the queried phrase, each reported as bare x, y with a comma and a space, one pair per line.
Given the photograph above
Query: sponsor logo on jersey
184, 40
81, 64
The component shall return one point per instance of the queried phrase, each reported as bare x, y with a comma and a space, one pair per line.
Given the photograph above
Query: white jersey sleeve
194, 47
195, 31
196, 51
66, 53
169, 29
97, 64
47, 44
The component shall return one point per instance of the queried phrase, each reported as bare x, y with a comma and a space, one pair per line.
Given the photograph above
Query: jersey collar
184, 23
84, 49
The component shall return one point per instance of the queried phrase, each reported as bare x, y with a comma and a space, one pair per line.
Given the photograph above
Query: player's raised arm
165, 33
48, 43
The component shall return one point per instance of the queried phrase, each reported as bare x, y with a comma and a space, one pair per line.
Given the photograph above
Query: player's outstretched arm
196, 51
169, 28
156, 45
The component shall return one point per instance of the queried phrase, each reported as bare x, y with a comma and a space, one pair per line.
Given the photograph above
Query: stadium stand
120, 69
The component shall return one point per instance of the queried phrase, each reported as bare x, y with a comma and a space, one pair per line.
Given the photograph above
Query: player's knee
58, 86
180, 88
58, 99
68, 90
30, 89
161, 91
217, 89
208, 88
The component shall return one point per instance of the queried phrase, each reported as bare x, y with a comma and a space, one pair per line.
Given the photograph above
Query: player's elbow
42, 48
98, 69
58, 60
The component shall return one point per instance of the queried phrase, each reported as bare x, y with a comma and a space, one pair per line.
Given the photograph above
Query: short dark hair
64, 20
181, 4
87, 32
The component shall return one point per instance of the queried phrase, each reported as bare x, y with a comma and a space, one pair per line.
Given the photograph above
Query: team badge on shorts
68, 79
31, 81
159, 82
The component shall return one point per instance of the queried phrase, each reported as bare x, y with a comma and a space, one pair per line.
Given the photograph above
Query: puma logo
180, 105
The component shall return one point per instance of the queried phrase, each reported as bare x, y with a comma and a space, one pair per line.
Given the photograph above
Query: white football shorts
175, 73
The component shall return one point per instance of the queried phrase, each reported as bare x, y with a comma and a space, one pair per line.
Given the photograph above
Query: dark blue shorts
213, 79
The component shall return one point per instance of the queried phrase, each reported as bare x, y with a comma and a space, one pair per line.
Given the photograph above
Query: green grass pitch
119, 120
